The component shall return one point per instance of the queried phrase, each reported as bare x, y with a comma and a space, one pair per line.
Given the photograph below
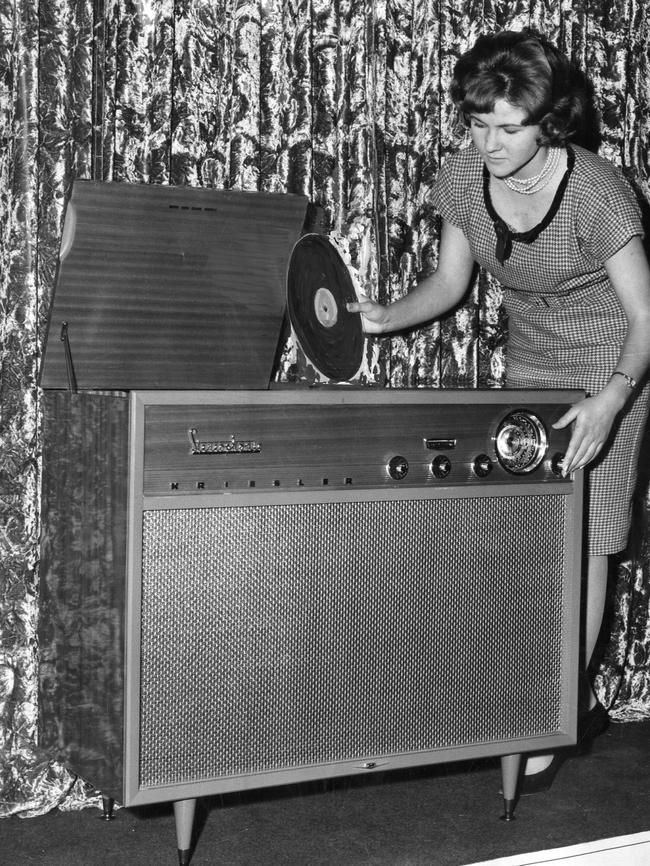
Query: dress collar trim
504, 235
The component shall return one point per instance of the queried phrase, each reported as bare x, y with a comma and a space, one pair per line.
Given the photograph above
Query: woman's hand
374, 316
433, 295
592, 418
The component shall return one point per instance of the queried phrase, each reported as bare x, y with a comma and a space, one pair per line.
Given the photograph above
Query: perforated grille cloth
282, 636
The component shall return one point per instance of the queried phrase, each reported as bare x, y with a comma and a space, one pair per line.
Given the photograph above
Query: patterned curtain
344, 102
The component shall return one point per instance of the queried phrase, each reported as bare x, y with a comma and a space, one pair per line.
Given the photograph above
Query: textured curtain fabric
346, 103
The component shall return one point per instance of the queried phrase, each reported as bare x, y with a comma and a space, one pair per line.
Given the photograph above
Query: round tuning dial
398, 468
521, 442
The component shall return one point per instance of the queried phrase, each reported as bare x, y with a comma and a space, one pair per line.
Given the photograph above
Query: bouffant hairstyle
526, 70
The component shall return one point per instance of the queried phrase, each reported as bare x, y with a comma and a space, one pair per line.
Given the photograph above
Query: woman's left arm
594, 416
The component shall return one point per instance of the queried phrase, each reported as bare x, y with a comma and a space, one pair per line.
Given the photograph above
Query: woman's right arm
432, 297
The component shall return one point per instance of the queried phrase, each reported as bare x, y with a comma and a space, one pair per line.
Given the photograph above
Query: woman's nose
492, 140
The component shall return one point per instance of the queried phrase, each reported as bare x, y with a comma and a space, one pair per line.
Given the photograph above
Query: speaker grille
282, 636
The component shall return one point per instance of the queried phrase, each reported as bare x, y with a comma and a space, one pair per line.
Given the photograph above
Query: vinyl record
318, 287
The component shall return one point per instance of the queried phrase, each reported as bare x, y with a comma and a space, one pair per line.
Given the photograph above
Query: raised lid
170, 287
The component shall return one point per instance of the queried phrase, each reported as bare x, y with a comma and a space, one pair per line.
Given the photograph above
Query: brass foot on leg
107, 809
508, 810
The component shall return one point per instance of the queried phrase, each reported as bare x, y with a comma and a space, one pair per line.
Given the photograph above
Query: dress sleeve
445, 193
609, 215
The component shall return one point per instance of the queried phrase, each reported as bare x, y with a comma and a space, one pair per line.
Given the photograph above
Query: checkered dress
566, 325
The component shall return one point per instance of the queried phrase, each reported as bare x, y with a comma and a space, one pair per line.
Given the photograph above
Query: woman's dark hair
526, 70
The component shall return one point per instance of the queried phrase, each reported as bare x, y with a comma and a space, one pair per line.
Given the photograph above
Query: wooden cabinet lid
165, 287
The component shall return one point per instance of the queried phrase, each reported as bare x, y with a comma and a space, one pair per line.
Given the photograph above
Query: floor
442, 816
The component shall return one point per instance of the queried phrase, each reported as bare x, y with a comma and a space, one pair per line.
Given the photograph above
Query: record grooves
318, 287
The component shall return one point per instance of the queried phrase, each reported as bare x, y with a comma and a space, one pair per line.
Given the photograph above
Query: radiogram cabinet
249, 588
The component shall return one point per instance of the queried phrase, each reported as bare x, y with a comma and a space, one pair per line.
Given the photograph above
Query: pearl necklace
530, 185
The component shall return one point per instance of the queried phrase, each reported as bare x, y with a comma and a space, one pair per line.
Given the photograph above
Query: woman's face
507, 146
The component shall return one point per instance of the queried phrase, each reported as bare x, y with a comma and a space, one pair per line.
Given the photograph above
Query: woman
559, 227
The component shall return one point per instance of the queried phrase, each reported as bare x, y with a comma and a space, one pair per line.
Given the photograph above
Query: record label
319, 286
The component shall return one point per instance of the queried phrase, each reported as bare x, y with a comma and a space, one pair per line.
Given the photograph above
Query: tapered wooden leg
184, 815
509, 775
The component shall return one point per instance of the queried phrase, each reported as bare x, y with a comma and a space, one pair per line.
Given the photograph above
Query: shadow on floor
436, 816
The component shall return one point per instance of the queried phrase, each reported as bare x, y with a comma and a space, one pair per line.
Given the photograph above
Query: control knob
482, 465
398, 468
557, 462
441, 466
